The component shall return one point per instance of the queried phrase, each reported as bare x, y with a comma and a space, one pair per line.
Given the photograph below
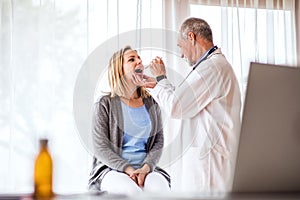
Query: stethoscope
203, 57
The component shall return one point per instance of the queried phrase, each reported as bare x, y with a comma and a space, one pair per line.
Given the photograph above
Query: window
251, 35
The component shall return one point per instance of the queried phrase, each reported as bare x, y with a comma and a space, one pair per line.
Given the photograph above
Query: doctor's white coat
202, 152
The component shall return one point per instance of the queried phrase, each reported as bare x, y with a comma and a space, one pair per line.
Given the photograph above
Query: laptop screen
268, 158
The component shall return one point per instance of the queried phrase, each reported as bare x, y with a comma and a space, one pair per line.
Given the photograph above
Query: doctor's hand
137, 79
149, 82
157, 67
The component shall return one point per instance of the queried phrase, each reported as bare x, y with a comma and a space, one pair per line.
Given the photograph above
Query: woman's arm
155, 147
104, 147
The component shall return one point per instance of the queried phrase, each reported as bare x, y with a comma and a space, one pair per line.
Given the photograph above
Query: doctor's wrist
160, 77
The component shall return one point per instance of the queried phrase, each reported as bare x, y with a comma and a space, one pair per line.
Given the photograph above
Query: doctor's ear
192, 37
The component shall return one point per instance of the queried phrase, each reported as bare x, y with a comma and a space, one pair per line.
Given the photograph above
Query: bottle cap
43, 142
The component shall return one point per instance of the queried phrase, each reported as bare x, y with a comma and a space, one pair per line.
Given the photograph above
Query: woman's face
132, 61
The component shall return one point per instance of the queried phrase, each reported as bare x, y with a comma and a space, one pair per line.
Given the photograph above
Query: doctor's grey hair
198, 26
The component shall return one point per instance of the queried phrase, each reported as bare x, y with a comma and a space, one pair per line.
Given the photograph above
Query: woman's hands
129, 171
141, 174
138, 175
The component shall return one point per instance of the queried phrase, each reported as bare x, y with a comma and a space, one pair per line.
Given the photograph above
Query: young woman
127, 132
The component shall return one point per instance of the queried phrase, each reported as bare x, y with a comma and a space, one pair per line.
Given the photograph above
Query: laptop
268, 158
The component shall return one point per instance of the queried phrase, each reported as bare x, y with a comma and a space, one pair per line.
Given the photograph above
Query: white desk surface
170, 196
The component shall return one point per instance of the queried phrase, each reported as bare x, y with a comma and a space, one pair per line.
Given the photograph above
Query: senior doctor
208, 103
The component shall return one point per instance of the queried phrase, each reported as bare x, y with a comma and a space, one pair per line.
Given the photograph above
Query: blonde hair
116, 75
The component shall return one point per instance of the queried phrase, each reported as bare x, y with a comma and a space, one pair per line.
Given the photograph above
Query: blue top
137, 127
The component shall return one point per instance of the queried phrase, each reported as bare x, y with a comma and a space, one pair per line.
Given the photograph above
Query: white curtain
44, 45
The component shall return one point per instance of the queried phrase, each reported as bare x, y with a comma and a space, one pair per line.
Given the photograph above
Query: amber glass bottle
43, 172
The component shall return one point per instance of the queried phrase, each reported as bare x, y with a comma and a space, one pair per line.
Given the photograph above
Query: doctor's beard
190, 62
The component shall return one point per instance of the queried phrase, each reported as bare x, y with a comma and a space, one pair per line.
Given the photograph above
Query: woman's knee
155, 182
119, 183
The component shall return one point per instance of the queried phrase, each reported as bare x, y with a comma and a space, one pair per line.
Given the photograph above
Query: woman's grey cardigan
107, 130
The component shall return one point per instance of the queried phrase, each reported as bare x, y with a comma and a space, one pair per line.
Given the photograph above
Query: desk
171, 196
